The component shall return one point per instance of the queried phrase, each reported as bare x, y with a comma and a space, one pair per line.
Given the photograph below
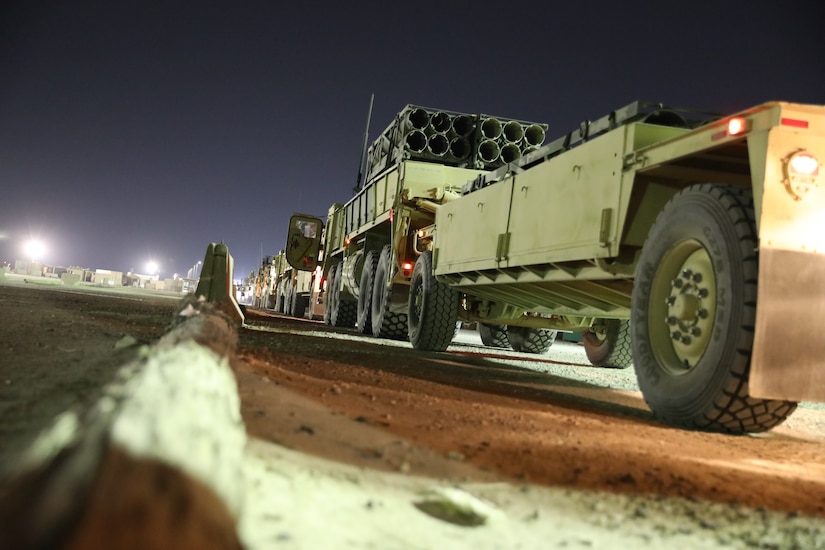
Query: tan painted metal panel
788, 360
427, 180
788, 222
789, 353
557, 206
468, 229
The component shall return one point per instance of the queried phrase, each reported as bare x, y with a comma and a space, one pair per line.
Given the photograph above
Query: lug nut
703, 293
677, 283
671, 300
687, 274
696, 331
685, 340
702, 313
676, 335
671, 320
697, 277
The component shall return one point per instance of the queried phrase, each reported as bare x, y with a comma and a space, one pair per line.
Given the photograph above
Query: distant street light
152, 267
195, 269
34, 249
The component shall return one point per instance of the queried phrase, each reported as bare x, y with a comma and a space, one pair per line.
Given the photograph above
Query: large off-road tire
328, 297
332, 297
386, 323
610, 349
347, 310
493, 336
433, 308
364, 321
287, 302
299, 305
342, 312
530, 340
694, 310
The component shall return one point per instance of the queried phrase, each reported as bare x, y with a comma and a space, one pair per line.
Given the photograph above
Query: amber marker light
737, 125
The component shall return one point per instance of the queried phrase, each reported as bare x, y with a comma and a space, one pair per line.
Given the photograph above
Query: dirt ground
471, 414
59, 347
471, 407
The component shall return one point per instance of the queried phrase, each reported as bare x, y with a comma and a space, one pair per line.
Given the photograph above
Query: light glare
35, 249
736, 126
805, 164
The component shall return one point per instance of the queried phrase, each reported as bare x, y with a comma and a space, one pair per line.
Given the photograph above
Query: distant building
27, 267
107, 277
75, 274
139, 280
54, 272
101, 277
174, 285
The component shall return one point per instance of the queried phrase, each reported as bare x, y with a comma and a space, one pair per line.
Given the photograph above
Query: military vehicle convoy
691, 245
280, 287
259, 284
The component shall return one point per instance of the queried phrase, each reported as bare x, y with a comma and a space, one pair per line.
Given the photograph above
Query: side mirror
303, 241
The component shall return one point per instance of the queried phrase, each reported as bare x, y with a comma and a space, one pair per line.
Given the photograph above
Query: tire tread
732, 410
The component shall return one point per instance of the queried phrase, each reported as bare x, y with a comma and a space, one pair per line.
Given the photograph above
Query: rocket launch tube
462, 125
440, 122
513, 131
491, 128
489, 150
418, 119
460, 147
534, 135
510, 152
416, 141
452, 138
438, 144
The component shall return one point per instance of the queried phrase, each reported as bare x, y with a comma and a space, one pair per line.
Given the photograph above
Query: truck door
303, 242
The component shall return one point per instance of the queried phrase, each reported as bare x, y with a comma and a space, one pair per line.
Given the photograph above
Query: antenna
364, 148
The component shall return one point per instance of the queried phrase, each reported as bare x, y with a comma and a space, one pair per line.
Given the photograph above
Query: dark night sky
145, 130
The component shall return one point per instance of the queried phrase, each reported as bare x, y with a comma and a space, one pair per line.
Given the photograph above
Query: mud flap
788, 359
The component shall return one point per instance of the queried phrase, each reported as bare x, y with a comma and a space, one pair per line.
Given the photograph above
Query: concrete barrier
157, 462
216, 283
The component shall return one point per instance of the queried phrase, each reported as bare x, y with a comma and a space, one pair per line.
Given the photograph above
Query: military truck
693, 240
295, 292
261, 284
418, 163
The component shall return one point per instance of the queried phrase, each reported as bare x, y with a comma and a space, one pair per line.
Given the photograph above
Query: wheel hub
690, 308
684, 307
418, 300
